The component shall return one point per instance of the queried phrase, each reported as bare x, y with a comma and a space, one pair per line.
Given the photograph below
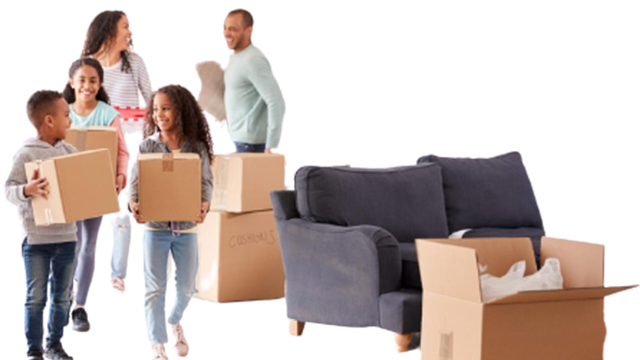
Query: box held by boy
81, 186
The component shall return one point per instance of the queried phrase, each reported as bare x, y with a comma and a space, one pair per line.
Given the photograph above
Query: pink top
123, 154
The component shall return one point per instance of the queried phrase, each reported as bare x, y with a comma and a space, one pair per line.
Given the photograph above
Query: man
253, 101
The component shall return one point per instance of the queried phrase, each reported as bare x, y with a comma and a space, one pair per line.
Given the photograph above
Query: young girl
174, 123
125, 77
88, 107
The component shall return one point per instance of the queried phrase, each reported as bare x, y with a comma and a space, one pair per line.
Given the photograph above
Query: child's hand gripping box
93, 138
549, 324
81, 186
169, 186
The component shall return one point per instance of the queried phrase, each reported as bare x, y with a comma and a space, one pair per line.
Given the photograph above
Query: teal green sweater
252, 98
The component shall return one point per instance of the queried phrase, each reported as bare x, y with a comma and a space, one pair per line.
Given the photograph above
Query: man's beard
239, 42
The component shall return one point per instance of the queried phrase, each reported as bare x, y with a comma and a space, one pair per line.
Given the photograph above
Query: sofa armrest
336, 274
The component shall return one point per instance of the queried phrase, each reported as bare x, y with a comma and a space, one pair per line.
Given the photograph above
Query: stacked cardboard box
239, 252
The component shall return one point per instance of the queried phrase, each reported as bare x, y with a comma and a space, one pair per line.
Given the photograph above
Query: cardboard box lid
448, 270
164, 156
559, 295
93, 128
582, 264
249, 156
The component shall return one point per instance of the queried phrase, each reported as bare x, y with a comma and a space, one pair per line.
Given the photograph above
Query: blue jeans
246, 147
184, 249
121, 243
40, 261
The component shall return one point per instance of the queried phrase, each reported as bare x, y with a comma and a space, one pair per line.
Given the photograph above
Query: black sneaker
34, 355
56, 352
80, 320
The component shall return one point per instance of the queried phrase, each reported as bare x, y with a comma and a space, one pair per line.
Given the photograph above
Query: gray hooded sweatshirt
32, 150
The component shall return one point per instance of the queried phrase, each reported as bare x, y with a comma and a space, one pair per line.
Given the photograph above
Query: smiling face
122, 39
163, 115
85, 83
238, 36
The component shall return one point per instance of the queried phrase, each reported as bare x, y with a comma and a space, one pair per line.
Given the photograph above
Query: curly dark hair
188, 117
102, 31
70, 95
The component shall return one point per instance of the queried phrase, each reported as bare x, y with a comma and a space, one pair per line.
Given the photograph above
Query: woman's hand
204, 209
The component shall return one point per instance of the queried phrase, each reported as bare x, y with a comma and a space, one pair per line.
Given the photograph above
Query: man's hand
35, 186
135, 210
267, 151
204, 209
119, 183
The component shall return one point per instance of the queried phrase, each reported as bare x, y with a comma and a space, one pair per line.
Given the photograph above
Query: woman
125, 78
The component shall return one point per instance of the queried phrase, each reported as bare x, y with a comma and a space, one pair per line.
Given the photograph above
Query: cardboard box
169, 186
239, 257
551, 325
93, 138
80, 187
243, 181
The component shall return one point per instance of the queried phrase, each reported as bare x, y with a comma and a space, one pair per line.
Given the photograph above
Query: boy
47, 250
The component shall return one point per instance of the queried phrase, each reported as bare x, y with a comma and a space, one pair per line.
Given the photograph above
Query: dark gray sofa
348, 235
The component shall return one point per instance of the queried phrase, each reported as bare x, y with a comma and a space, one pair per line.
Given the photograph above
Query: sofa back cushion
406, 201
487, 193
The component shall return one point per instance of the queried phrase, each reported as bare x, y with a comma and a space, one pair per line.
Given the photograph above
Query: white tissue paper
548, 277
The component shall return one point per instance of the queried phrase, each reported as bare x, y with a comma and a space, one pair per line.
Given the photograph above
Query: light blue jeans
184, 249
121, 243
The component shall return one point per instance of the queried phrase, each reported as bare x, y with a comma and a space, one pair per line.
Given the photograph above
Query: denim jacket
153, 144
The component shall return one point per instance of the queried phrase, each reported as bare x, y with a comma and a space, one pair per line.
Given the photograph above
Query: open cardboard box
563, 324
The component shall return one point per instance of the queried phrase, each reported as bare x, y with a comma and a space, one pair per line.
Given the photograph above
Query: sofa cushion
410, 269
481, 193
406, 201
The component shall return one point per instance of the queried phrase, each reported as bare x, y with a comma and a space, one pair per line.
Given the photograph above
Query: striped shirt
122, 87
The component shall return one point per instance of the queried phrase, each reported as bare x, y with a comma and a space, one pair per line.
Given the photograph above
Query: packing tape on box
446, 346
220, 183
167, 162
81, 139
48, 216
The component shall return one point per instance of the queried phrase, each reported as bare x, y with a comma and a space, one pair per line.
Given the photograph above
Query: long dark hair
102, 31
70, 95
188, 117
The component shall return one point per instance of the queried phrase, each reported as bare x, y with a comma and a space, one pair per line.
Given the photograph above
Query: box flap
559, 295
499, 254
582, 264
448, 270
160, 156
